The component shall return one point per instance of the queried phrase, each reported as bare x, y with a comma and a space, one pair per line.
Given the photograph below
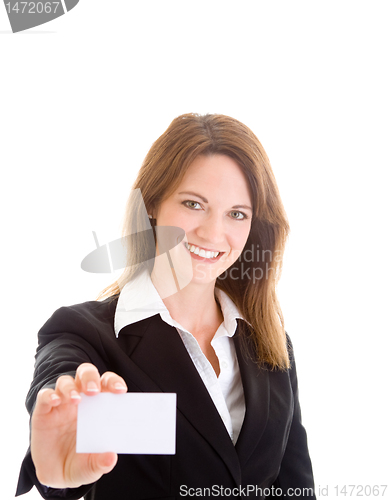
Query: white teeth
208, 254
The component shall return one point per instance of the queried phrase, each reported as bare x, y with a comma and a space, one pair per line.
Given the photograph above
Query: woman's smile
199, 253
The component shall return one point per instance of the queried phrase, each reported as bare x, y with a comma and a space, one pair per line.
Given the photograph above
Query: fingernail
54, 397
120, 387
74, 395
92, 387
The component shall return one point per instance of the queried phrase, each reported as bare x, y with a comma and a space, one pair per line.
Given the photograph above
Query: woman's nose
211, 229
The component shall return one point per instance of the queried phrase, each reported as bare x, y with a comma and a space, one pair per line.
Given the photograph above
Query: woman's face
212, 205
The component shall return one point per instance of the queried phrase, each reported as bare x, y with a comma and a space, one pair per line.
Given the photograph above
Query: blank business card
134, 423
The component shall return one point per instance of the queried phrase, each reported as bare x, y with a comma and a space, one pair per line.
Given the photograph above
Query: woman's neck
196, 309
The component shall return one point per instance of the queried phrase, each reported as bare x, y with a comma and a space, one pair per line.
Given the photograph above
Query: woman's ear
150, 214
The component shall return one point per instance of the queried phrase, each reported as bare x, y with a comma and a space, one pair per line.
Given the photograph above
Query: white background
83, 98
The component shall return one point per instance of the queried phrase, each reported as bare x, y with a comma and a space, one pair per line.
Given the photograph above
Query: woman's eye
238, 215
195, 205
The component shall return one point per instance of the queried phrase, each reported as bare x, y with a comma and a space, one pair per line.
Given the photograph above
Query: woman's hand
53, 430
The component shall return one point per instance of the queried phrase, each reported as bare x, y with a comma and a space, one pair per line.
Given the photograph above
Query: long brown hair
259, 266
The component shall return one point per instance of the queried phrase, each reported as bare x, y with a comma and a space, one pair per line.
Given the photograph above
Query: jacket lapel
162, 356
255, 382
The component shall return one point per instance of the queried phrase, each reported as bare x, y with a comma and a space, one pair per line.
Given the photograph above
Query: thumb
102, 463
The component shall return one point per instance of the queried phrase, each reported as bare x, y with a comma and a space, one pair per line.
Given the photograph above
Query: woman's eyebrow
243, 206
195, 194
206, 201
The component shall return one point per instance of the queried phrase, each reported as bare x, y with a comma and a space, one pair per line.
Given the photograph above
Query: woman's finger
102, 463
88, 379
67, 390
110, 382
45, 401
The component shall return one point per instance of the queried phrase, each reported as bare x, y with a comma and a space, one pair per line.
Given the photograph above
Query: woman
212, 332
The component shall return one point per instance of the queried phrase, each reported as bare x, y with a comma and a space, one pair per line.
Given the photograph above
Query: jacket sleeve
295, 477
60, 351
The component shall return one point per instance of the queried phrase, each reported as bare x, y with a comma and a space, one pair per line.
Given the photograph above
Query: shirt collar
140, 300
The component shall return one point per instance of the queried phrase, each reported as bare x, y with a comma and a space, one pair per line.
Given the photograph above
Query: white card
136, 422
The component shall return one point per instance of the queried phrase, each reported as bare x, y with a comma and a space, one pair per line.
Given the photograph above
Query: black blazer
271, 451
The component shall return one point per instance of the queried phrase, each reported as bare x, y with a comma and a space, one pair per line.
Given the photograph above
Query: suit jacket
270, 457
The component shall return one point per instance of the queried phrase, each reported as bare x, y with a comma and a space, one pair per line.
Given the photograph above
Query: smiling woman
216, 339
220, 155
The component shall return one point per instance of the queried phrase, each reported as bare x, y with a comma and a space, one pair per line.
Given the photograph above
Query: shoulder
289, 346
84, 316
246, 337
